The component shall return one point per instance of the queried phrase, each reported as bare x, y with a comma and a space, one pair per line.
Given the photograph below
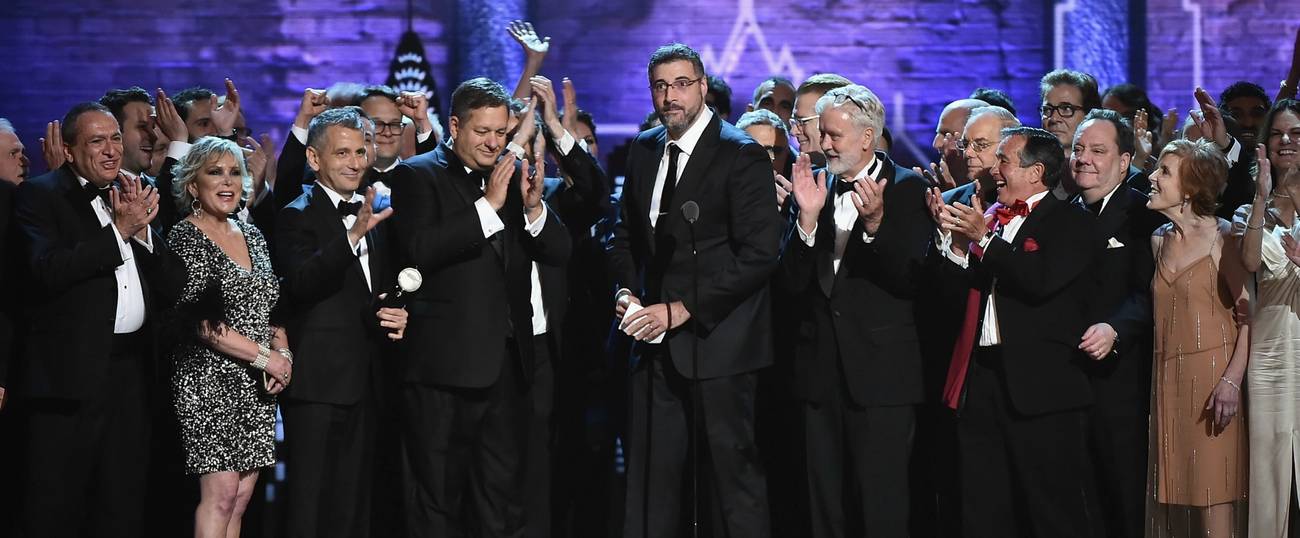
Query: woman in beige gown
1198, 448
1269, 249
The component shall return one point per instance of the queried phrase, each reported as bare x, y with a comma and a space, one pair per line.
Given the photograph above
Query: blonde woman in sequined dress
1197, 485
1269, 229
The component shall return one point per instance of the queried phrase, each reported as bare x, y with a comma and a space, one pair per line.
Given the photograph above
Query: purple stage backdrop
915, 54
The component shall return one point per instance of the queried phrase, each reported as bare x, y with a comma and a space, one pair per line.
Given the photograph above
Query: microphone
691, 211
408, 281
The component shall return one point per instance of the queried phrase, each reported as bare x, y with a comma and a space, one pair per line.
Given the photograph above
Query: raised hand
267, 147
499, 181
934, 203
1142, 139
535, 47
544, 96
870, 202
367, 219
1263, 173
527, 125
783, 188
965, 222
1168, 128
1209, 119
570, 105
224, 116
256, 161
52, 145
809, 192
169, 120
313, 103
415, 105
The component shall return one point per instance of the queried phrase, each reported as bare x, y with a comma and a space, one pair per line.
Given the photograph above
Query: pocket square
1030, 245
1113, 243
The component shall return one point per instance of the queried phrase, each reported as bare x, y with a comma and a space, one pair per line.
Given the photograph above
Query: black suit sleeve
428, 145
431, 238
896, 254
755, 238
55, 263
6, 327
310, 269
290, 173
168, 213
1134, 316
552, 246
583, 203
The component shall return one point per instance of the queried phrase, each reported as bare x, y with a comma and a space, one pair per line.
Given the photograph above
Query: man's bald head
953, 119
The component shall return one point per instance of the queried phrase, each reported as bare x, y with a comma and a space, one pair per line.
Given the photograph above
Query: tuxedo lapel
696, 171
81, 205
465, 185
326, 215
1048, 204
645, 190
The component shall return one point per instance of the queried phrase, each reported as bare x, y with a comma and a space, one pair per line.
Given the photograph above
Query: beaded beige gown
1193, 467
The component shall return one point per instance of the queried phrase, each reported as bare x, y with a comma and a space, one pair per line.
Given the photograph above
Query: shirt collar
1105, 199
692, 135
390, 167
871, 170
1033, 200
335, 197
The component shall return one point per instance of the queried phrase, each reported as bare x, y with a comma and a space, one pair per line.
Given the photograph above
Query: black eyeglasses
1066, 110
395, 127
679, 85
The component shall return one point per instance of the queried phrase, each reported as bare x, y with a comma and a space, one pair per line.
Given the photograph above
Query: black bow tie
93, 191
349, 208
842, 186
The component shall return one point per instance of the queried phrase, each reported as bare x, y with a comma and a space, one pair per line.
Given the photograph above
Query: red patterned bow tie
1004, 214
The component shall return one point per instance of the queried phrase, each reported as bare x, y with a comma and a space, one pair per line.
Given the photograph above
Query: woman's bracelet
1229, 381
1259, 226
263, 356
288, 355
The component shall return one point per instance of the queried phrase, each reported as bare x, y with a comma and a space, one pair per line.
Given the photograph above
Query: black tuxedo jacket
1043, 301
330, 311
11, 299
74, 292
869, 313
738, 237
471, 298
580, 281
1121, 277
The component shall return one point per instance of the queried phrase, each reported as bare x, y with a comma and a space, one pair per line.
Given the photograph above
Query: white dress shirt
846, 213
686, 143
361, 249
990, 334
130, 313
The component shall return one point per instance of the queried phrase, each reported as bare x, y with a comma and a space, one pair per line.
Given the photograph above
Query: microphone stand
691, 211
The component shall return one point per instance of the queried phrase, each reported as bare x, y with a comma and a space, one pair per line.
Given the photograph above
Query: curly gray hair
203, 151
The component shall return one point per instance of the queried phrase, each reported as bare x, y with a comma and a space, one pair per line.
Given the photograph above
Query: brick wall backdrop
916, 54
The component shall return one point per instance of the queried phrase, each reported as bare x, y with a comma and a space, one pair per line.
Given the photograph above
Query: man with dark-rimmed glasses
1066, 97
696, 183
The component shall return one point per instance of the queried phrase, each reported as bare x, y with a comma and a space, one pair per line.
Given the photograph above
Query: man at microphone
714, 337
332, 253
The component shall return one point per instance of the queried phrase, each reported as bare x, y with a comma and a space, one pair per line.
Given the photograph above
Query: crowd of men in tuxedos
738, 336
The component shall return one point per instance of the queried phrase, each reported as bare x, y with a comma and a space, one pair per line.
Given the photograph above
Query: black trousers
464, 454
330, 449
540, 463
858, 473
1118, 442
1020, 475
658, 445
88, 460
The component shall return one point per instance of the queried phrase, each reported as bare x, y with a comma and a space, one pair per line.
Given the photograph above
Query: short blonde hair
203, 151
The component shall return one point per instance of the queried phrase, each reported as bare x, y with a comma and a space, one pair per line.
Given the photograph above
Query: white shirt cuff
566, 143
535, 227
984, 241
488, 218
177, 149
299, 133
1234, 151
519, 151
583, 144
809, 238
147, 243
944, 240
420, 138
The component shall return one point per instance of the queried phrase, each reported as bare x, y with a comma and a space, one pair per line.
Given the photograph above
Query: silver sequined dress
227, 419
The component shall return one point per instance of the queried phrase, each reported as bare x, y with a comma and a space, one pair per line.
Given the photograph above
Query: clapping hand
1209, 119
169, 119
783, 188
966, 223
134, 206
570, 105
870, 202
809, 192
1142, 139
